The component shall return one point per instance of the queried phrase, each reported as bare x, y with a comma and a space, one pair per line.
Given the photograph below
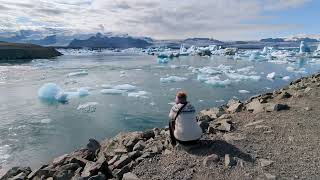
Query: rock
78, 160
20, 176
77, 174
130, 176
63, 174
60, 160
255, 106
98, 177
124, 160
307, 108
93, 145
203, 125
229, 161
139, 146
93, 168
148, 134
265, 162
213, 158
120, 151
16, 171
210, 114
118, 173
167, 152
233, 137
234, 106
132, 139
85, 154
265, 98
284, 95
276, 107
222, 125
308, 89
225, 116
270, 176
135, 154
35, 171
113, 160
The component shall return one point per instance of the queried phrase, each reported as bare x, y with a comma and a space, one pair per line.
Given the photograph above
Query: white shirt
186, 126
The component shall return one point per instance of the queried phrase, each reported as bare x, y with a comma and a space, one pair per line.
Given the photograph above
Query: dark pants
174, 140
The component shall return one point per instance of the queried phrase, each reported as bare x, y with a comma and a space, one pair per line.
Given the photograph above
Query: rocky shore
20, 53
270, 136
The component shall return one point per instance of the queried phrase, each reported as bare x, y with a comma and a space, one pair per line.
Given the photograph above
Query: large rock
118, 173
210, 114
255, 106
15, 171
224, 125
98, 177
130, 141
234, 106
124, 160
130, 176
93, 168
93, 145
276, 107
148, 134
139, 146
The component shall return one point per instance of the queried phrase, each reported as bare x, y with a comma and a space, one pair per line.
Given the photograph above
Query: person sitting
183, 125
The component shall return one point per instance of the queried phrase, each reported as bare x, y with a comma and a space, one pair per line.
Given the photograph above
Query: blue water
33, 132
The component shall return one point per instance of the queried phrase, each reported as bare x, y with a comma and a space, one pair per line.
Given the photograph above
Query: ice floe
243, 91
271, 75
78, 73
112, 91
218, 83
49, 92
286, 78
172, 79
139, 94
88, 107
125, 87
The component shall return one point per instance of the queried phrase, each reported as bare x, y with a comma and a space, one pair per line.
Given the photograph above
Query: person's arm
172, 114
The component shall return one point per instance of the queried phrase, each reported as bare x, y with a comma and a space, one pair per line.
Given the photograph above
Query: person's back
184, 127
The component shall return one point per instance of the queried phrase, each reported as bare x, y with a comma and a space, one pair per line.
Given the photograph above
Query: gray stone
118, 173
93, 145
222, 125
130, 176
78, 160
60, 160
135, 154
284, 95
255, 106
275, 107
235, 107
270, 176
71, 166
120, 151
265, 162
15, 171
210, 114
139, 146
35, 171
113, 160
20, 176
209, 160
148, 134
203, 125
63, 174
124, 160
98, 177
93, 168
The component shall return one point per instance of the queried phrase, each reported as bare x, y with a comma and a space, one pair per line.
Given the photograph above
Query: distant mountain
272, 40
49, 40
101, 41
204, 40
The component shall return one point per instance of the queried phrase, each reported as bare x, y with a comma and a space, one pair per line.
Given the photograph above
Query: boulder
93, 145
284, 95
148, 134
124, 160
270, 176
255, 106
15, 171
118, 173
209, 160
78, 160
63, 174
130, 141
60, 160
93, 168
98, 177
130, 176
234, 106
221, 125
113, 160
139, 146
203, 125
275, 107
265, 162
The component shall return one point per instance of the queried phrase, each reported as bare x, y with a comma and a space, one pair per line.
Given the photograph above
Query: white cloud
221, 19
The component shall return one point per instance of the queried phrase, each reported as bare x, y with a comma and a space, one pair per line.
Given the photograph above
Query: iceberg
245, 70
203, 77
286, 78
209, 70
218, 83
163, 60
88, 107
303, 48
139, 94
112, 91
49, 92
106, 86
172, 79
244, 91
240, 77
78, 73
271, 75
125, 87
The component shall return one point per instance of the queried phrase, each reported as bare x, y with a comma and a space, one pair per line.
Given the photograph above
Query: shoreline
136, 155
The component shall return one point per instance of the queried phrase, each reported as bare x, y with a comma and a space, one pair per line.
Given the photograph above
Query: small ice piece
45, 121
268, 88
83, 91
106, 86
49, 92
125, 87
152, 104
163, 60
303, 48
209, 70
172, 79
245, 70
244, 91
219, 101
200, 100
290, 69
286, 78
112, 91
271, 75
78, 73
139, 94
88, 107
218, 83
239, 77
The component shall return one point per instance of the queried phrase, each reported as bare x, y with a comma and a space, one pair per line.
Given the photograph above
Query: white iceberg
303, 48
271, 75
209, 70
218, 83
286, 78
88, 107
112, 91
139, 94
240, 77
172, 79
243, 91
125, 87
106, 86
78, 73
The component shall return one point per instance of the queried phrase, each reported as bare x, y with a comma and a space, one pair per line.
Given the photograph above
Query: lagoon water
33, 132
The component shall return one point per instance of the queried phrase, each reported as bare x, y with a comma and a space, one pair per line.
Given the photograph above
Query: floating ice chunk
303, 48
83, 91
45, 121
208, 70
112, 91
78, 73
245, 70
286, 78
172, 79
163, 60
49, 92
220, 100
152, 103
88, 107
290, 69
255, 55
106, 86
244, 91
218, 83
125, 87
271, 75
139, 94
240, 77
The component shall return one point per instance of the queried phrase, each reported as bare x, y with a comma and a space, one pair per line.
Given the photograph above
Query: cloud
221, 19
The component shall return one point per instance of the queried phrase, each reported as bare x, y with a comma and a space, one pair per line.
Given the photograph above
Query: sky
165, 19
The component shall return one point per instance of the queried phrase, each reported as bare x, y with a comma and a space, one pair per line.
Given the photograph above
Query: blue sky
165, 19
